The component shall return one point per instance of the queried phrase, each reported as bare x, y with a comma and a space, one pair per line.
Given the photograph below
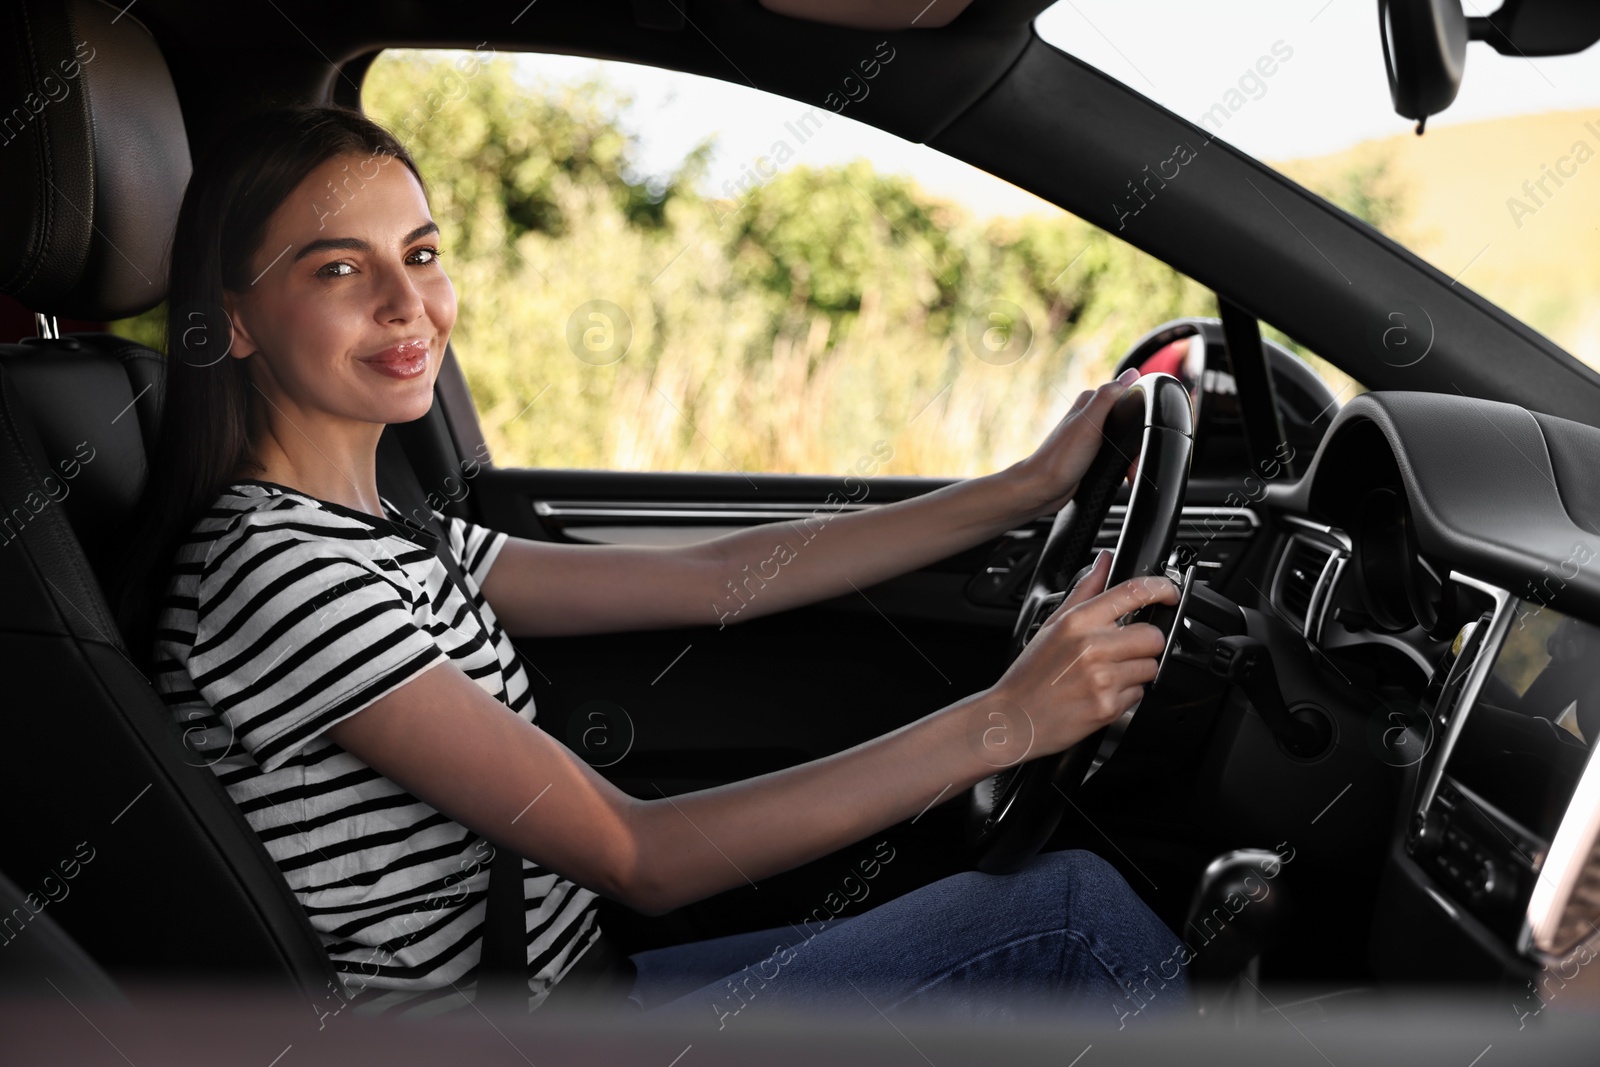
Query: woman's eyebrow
356, 244
421, 231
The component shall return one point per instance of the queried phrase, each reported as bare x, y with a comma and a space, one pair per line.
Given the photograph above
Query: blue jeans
1064, 935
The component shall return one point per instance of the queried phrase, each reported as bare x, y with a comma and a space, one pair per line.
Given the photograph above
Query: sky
1331, 92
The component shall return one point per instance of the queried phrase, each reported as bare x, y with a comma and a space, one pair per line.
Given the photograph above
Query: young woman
376, 736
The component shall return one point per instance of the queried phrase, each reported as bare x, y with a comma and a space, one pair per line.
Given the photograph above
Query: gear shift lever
1238, 912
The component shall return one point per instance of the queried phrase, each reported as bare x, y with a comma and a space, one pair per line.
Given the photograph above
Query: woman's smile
404, 360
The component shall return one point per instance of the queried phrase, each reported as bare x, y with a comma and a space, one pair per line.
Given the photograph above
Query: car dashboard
1445, 545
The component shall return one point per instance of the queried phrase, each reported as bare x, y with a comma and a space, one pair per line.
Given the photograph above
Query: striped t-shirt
286, 614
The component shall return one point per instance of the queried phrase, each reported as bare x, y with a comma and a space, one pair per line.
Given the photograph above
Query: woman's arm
542, 589
455, 747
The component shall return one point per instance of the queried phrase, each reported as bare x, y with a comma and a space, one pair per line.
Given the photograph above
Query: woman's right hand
1081, 670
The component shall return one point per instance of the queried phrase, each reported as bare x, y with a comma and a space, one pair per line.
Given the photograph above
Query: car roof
288, 47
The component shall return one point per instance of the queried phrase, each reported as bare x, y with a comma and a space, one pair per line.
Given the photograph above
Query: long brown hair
204, 439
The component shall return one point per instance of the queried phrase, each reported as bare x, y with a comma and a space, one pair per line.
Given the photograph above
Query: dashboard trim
1322, 596
1499, 623
618, 509
1322, 528
1193, 510
615, 521
1443, 902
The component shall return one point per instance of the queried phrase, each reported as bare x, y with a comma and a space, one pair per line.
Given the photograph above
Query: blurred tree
1363, 182
505, 158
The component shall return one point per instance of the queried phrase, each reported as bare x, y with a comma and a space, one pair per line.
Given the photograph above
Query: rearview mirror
1425, 50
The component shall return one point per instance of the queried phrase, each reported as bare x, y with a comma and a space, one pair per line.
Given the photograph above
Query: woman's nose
400, 299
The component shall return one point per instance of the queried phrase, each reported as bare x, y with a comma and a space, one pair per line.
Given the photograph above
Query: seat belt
503, 968
604, 974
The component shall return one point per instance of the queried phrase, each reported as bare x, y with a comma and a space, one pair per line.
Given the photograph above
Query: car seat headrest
93, 159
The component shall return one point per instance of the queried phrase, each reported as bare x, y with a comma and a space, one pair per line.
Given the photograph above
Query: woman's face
350, 309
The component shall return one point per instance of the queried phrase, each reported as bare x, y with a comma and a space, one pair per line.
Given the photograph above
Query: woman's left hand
1050, 476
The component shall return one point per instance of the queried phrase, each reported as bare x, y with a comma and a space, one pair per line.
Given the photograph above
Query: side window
661, 272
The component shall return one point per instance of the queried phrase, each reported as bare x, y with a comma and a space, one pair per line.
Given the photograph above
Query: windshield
1501, 193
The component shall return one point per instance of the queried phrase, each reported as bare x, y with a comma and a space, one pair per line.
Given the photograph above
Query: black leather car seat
39, 954
92, 169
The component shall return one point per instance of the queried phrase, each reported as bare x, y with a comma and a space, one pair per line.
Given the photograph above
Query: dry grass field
1464, 208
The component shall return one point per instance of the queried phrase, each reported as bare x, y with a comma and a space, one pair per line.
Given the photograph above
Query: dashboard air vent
1197, 523
1296, 581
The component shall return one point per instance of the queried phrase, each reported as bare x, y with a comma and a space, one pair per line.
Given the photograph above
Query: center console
1504, 832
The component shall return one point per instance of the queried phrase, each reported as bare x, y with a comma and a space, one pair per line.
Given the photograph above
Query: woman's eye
339, 269
429, 255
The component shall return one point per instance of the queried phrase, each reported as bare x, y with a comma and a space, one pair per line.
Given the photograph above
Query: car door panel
664, 712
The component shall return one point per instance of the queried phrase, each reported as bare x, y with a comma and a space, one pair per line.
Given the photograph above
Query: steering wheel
1148, 437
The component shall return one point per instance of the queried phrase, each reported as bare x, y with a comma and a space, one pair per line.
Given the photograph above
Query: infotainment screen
1528, 735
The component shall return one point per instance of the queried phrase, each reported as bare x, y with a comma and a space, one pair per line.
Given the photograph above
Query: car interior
1374, 699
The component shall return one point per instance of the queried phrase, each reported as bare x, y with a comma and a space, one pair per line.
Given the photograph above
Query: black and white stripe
286, 614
